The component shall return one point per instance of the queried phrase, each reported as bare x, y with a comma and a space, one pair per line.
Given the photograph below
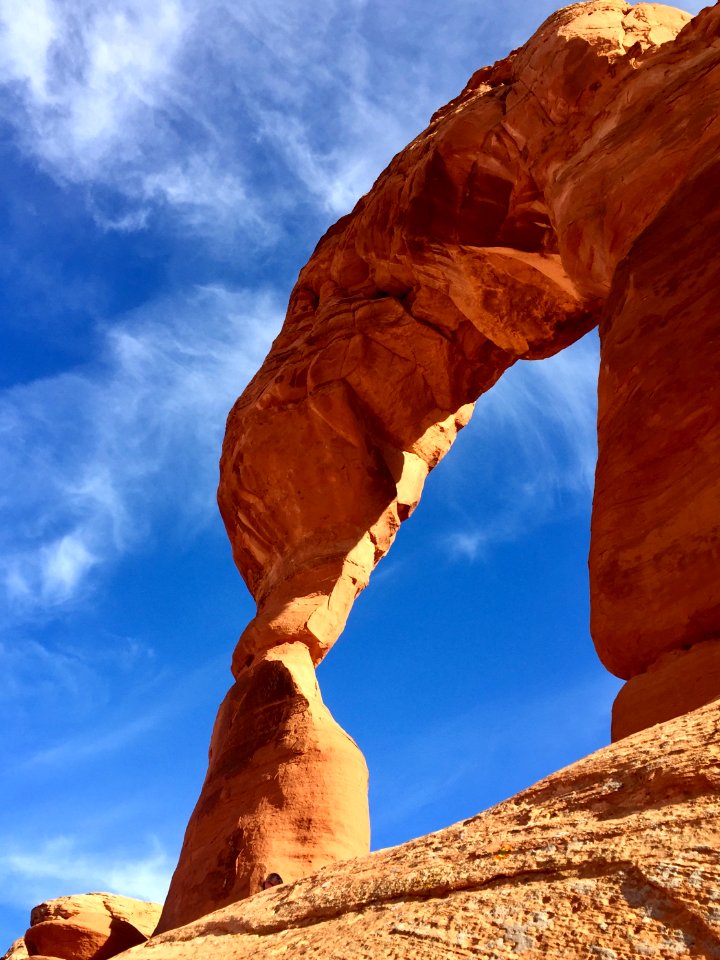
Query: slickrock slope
614, 857
279, 766
569, 184
91, 926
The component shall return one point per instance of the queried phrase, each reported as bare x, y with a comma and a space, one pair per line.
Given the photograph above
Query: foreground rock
614, 857
91, 926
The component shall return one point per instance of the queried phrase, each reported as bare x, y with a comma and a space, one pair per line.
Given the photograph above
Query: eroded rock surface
280, 768
655, 546
91, 926
614, 857
496, 235
16, 951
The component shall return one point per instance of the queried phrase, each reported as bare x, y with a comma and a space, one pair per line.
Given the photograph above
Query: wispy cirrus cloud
92, 458
530, 448
61, 864
223, 112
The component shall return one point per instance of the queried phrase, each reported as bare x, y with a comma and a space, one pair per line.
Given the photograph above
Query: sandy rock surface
91, 926
614, 857
16, 951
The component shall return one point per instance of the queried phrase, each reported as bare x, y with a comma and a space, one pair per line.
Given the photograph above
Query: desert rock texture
280, 767
615, 857
91, 926
574, 183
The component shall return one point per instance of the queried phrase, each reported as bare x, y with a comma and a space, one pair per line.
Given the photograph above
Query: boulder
92, 926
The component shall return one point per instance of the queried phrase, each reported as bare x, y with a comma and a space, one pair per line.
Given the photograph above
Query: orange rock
91, 926
16, 951
494, 236
285, 792
614, 857
655, 555
556, 181
674, 684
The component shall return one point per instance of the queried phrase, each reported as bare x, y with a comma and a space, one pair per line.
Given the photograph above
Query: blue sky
168, 168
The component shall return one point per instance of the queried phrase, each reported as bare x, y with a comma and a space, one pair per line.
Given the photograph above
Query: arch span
535, 205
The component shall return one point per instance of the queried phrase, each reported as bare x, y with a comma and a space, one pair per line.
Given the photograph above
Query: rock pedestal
285, 792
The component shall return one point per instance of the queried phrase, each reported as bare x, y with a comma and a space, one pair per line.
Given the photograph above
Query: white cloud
64, 563
230, 108
29, 29
223, 108
91, 459
62, 864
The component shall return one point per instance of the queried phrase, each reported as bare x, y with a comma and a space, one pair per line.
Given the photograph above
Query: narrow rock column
286, 791
655, 554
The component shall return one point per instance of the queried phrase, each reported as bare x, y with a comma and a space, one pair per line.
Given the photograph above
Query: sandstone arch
530, 210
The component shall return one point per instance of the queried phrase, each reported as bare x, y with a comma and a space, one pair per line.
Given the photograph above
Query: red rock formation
671, 686
92, 926
614, 857
655, 555
280, 767
16, 951
546, 195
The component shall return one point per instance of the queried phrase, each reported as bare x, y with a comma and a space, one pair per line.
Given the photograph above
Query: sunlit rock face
614, 857
563, 187
91, 926
280, 768
655, 555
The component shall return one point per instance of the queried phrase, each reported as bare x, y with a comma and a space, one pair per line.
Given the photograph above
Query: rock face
614, 857
279, 766
92, 926
655, 553
676, 681
572, 183
16, 951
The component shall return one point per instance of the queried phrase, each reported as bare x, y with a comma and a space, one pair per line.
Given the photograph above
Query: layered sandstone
280, 769
655, 547
91, 926
614, 857
569, 184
